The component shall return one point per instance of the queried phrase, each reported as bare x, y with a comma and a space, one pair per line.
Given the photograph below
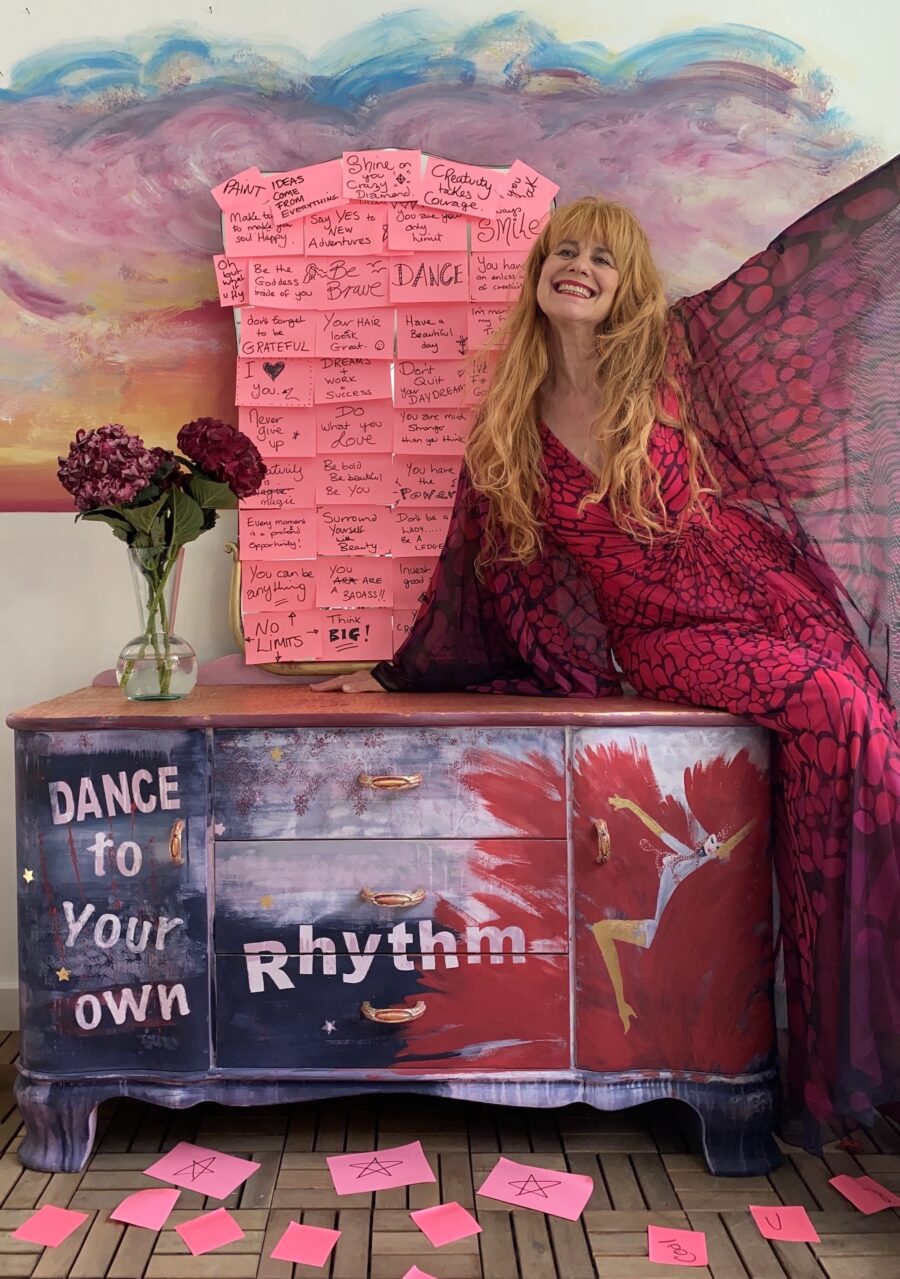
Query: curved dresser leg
736, 1133
60, 1122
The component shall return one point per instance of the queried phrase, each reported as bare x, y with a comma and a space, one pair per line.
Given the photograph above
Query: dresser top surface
269, 706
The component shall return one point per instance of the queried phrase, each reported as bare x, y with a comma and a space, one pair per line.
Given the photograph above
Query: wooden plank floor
644, 1164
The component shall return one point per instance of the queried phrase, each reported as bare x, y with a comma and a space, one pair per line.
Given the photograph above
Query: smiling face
577, 284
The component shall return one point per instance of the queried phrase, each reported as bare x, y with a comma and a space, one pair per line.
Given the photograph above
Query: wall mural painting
108, 303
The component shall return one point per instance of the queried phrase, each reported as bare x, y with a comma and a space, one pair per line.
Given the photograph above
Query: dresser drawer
299, 1013
494, 895
389, 783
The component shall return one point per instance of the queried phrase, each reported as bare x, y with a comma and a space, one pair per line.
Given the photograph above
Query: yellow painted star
266, 902
28, 875
277, 754
63, 974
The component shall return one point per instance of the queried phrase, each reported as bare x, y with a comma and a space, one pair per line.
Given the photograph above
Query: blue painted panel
112, 906
283, 784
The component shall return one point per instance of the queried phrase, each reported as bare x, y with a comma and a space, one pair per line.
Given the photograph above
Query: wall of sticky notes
361, 287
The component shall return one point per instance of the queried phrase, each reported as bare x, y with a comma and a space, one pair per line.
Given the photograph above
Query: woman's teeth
576, 290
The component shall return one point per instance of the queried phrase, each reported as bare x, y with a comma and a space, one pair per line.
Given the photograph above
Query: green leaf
111, 516
187, 518
143, 517
212, 495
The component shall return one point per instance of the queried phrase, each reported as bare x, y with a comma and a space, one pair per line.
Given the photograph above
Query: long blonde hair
504, 450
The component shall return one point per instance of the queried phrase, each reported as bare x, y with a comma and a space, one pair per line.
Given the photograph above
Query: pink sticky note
277, 586
412, 578
562, 1194
485, 318
201, 1168
354, 581
424, 384
412, 229
416, 1273
382, 175
347, 481
287, 384
790, 1224
369, 332
402, 622
298, 192
290, 482
257, 233
210, 1231
346, 381
480, 372
282, 283
865, 1193
435, 331
432, 431
523, 206
445, 1223
147, 1208
231, 279
293, 636
430, 277
49, 1226
419, 530
425, 481
375, 1169
496, 277
279, 432
308, 1245
461, 188
277, 535
356, 428
269, 334
677, 1247
348, 283
363, 635
245, 190
354, 530
353, 229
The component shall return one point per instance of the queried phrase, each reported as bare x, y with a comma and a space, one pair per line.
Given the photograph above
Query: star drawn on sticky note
63, 974
266, 902
329, 1029
277, 754
532, 1186
195, 1168
219, 828
28, 875
374, 1166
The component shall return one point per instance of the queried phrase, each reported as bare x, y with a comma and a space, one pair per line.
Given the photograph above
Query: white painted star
219, 828
329, 1027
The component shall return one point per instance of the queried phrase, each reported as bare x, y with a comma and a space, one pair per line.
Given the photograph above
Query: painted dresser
263, 894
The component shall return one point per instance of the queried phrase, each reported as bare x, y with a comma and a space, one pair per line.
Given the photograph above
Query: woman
684, 488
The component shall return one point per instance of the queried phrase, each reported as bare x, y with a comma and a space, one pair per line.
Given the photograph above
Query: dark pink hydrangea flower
223, 453
105, 467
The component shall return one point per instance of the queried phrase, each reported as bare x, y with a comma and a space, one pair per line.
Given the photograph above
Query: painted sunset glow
108, 307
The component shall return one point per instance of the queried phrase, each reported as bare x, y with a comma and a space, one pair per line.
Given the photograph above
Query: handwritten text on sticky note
436, 331
355, 229
308, 190
267, 333
368, 332
231, 279
290, 482
286, 383
354, 530
277, 535
430, 277
344, 381
358, 636
382, 175
281, 282
425, 481
495, 277
356, 428
291, 636
422, 384
276, 586
460, 188
347, 480
280, 432
352, 581
415, 230
432, 431
419, 530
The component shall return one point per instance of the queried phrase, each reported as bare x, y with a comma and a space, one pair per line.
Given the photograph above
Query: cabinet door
673, 906
112, 837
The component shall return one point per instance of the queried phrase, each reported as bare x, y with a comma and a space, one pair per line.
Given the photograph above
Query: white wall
67, 592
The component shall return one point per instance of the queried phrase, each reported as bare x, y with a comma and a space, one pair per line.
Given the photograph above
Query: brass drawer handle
175, 835
390, 782
604, 847
392, 1016
392, 899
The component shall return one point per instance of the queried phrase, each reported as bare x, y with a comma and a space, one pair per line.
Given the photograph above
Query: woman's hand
358, 682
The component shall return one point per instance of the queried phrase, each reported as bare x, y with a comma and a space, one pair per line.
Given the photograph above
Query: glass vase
157, 665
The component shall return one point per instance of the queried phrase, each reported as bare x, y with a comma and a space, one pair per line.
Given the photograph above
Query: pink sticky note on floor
677, 1247
374, 1170
232, 281
865, 1193
309, 1245
210, 1231
200, 1168
416, 1273
562, 1194
790, 1224
445, 1223
49, 1226
147, 1208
